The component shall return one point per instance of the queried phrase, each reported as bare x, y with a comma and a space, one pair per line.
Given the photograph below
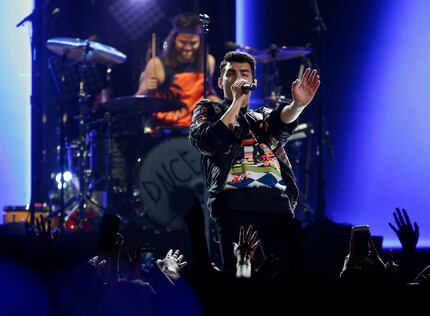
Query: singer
246, 169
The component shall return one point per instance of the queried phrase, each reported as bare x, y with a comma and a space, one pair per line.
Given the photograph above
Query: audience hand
408, 235
97, 264
371, 259
42, 230
244, 251
172, 263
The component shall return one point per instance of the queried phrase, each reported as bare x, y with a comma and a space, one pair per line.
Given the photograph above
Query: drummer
177, 74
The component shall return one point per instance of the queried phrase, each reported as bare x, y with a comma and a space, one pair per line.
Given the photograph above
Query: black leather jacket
219, 145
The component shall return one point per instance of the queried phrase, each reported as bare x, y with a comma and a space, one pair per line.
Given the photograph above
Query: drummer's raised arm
151, 77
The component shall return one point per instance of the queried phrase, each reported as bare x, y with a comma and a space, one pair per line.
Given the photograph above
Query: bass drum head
167, 179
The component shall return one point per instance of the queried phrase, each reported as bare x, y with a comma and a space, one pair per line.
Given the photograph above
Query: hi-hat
142, 104
85, 50
281, 53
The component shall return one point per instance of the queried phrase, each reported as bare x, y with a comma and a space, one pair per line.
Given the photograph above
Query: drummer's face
187, 45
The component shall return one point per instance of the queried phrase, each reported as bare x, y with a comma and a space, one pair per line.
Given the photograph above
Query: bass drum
166, 181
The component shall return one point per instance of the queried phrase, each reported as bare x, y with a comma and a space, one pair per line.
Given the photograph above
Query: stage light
59, 185
67, 176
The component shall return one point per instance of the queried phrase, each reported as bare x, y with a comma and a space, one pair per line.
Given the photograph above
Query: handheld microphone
248, 87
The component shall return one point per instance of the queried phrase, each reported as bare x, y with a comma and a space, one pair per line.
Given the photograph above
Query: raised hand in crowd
408, 235
42, 229
365, 270
108, 268
244, 251
172, 264
97, 264
371, 259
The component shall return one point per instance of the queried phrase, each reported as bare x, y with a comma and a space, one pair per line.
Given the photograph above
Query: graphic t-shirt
183, 83
255, 166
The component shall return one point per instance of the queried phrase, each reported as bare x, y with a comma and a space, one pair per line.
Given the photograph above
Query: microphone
248, 87
233, 45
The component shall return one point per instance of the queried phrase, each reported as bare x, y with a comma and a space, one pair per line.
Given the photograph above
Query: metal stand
86, 184
38, 57
205, 20
323, 132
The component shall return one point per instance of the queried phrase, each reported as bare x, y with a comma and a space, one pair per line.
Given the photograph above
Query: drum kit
88, 156
157, 168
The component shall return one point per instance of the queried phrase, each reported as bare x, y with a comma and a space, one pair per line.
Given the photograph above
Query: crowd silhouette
128, 279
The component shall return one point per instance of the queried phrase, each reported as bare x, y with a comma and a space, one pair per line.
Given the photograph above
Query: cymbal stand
205, 20
271, 86
106, 121
323, 133
83, 135
61, 149
275, 88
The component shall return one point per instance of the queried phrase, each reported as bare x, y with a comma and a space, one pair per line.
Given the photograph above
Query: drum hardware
165, 180
85, 52
141, 104
269, 58
205, 21
303, 130
302, 162
131, 123
275, 99
275, 53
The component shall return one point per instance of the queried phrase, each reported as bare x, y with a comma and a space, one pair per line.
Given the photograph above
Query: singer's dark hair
238, 57
183, 23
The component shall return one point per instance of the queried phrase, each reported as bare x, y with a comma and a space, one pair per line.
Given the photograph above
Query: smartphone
148, 259
109, 228
360, 239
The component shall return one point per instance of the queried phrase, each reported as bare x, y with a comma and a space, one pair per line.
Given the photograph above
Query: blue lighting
386, 145
15, 87
240, 21
248, 32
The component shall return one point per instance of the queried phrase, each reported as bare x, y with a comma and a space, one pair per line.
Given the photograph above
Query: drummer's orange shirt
186, 87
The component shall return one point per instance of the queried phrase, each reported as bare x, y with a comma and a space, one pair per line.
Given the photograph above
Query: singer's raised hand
303, 90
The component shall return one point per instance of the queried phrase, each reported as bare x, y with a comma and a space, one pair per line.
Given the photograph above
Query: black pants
280, 236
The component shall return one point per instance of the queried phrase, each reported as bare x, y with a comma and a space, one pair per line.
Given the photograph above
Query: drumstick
153, 53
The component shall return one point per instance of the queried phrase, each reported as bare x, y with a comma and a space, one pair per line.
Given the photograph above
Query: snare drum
167, 179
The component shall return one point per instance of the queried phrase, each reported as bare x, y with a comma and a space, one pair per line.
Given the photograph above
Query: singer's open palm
303, 90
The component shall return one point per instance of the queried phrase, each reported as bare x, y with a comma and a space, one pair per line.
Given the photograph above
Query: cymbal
85, 50
273, 100
281, 53
143, 104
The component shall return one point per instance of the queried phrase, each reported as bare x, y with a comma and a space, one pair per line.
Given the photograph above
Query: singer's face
234, 71
187, 45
